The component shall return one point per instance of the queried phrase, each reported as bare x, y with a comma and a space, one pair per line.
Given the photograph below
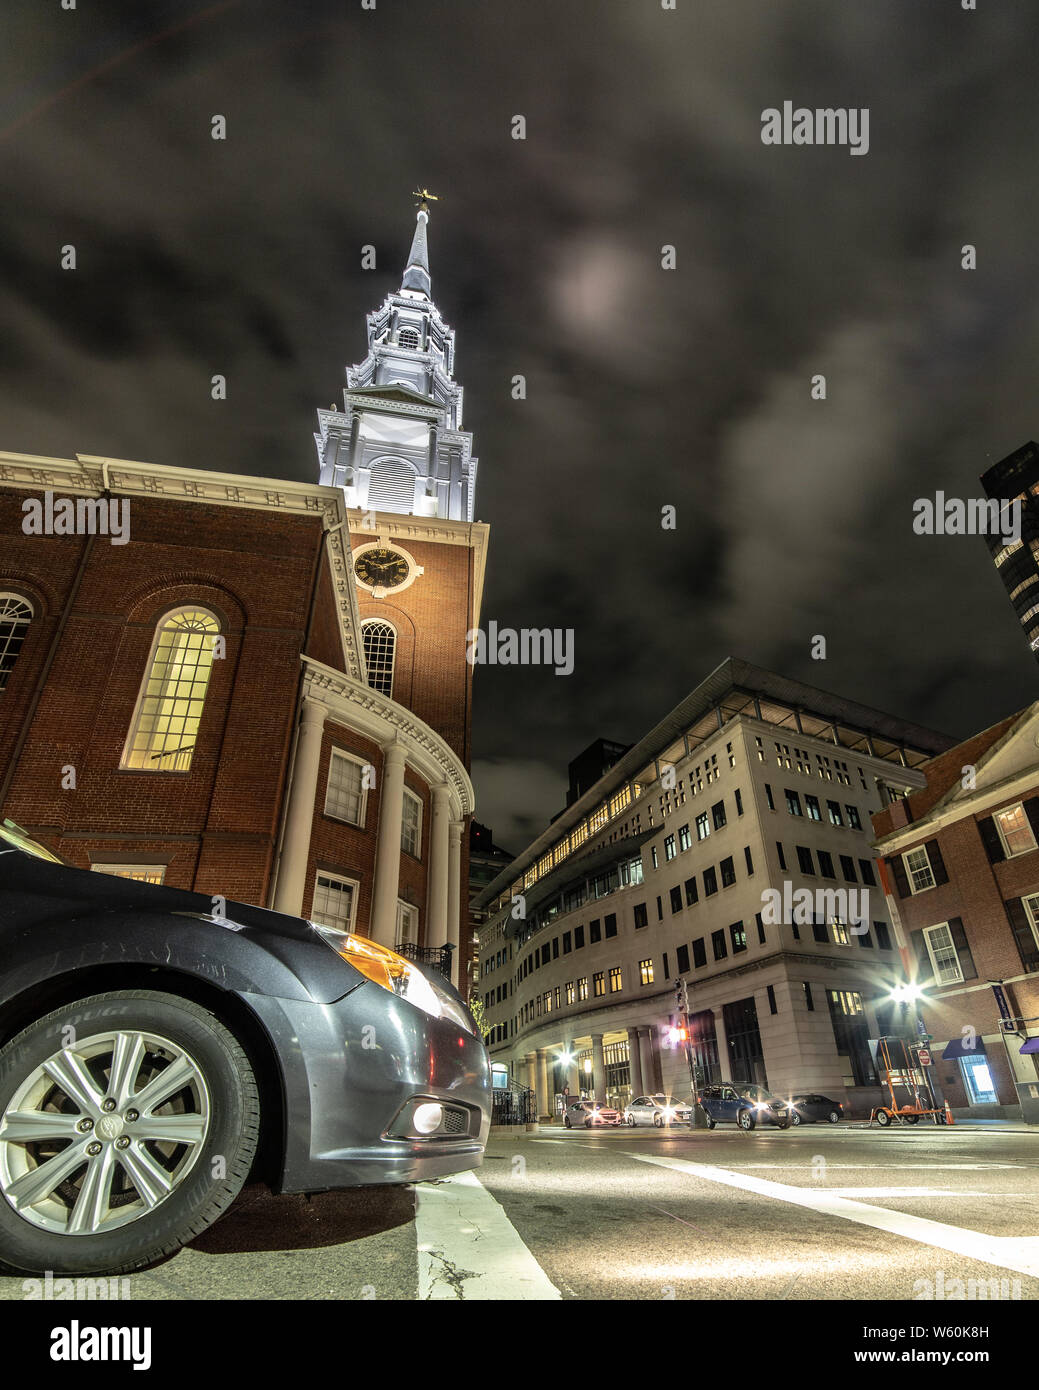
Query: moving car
588, 1113
657, 1110
153, 1055
814, 1109
747, 1106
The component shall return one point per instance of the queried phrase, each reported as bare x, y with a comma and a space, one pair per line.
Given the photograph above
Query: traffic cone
948, 1113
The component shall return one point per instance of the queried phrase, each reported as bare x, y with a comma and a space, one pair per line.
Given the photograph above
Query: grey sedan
658, 1110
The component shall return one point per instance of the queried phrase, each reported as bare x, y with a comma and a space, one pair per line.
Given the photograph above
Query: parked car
659, 1110
589, 1114
747, 1106
153, 1055
814, 1109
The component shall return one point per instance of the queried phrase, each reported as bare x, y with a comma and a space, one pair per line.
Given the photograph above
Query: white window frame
362, 811
129, 749
943, 927
367, 624
1014, 806
414, 797
13, 620
1031, 906
136, 872
924, 888
406, 912
344, 881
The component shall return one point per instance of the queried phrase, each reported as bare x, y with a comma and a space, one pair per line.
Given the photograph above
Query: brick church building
261, 692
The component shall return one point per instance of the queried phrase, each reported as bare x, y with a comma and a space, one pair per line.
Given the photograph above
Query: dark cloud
645, 387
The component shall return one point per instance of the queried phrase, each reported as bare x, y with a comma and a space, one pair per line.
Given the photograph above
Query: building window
852, 813
15, 616
835, 813
582, 988
718, 813
645, 974
942, 951
641, 915
669, 848
571, 993
699, 952
868, 876
848, 868
761, 928
684, 838
918, 867
718, 944
676, 899
739, 802
809, 1002
703, 829
578, 938
692, 893
346, 795
598, 984
804, 860
411, 824
782, 856
738, 937
728, 872
140, 873
594, 931
710, 882
769, 798
335, 902
793, 803
682, 958
567, 943
610, 924
408, 338
748, 859
840, 932
169, 707
407, 923
812, 807
770, 990
825, 864
380, 644
1014, 830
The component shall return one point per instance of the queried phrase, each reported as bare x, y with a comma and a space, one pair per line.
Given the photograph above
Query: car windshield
758, 1094
667, 1100
14, 835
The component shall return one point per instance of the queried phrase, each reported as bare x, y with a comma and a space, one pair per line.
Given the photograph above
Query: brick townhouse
961, 861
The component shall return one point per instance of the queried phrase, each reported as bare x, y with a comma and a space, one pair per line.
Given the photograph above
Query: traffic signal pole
699, 1119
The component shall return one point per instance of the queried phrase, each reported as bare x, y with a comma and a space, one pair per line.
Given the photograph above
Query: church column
459, 968
387, 848
436, 883
299, 816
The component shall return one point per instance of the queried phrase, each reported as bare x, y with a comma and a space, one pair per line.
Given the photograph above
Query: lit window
169, 708
140, 873
411, 825
582, 988
407, 924
15, 616
571, 994
840, 932
703, 828
669, 847
1014, 830
380, 644
1007, 551
615, 979
335, 902
346, 794
598, 983
645, 974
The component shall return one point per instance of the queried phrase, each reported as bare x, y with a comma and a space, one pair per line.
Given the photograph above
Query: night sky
646, 387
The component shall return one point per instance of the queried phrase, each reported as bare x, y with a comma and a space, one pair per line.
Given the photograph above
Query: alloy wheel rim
103, 1132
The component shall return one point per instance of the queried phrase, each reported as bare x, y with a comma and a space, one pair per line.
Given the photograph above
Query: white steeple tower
398, 444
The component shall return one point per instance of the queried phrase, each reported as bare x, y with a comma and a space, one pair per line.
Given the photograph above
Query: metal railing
439, 957
513, 1105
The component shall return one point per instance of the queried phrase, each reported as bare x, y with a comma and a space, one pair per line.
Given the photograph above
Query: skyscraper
1017, 478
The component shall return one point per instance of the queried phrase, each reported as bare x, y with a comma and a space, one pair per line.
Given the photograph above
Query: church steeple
398, 445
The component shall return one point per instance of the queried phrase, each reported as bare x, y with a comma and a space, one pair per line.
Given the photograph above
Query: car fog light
427, 1118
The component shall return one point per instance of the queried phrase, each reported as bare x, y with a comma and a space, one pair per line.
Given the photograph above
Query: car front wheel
566, 1122
795, 1118
631, 1121
710, 1122
834, 1117
128, 1124
745, 1120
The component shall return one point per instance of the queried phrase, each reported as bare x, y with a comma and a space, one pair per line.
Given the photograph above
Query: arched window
408, 338
169, 707
380, 644
15, 616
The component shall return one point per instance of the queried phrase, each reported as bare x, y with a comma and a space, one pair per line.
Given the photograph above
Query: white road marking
1008, 1252
913, 1192
901, 1167
469, 1249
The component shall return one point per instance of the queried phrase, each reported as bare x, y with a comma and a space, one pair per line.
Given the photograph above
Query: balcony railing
439, 957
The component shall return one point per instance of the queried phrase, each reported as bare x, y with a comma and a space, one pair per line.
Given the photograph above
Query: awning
958, 1048
1031, 1045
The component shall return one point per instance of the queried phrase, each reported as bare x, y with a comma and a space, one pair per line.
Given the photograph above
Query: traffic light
681, 996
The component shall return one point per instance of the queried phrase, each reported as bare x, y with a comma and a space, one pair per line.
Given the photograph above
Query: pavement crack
449, 1274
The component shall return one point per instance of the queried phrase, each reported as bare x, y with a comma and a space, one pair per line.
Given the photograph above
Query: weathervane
424, 197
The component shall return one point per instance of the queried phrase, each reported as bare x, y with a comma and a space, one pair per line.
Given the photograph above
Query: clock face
381, 568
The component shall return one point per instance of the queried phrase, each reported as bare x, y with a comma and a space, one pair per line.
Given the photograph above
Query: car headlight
399, 976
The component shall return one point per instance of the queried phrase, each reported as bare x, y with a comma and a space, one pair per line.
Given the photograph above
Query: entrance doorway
978, 1081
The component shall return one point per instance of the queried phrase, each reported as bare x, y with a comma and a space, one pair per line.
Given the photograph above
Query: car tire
795, 1118
631, 1121
745, 1120
834, 1117
587, 1124
785, 1125
219, 1100
658, 1122
710, 1123
566, 1122
883, 1118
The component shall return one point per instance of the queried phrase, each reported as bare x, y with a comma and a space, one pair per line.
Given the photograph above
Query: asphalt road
816, 1213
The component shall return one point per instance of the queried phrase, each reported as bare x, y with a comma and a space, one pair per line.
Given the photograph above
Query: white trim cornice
381, 719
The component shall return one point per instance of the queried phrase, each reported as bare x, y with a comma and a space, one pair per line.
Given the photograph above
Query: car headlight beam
386, 968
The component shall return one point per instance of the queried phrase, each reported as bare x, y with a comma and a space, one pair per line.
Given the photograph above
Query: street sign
1001, 1001
921, 1027
925, 1057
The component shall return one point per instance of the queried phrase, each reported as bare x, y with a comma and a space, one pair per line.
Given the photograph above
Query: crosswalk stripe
1009, 1252
469, 1249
